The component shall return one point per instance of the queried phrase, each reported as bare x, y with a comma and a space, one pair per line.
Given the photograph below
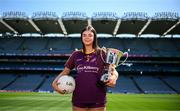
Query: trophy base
105, 78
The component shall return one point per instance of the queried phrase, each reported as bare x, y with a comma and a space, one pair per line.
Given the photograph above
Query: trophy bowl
113, 56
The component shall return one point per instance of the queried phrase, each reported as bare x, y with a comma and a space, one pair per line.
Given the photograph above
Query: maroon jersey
90, 68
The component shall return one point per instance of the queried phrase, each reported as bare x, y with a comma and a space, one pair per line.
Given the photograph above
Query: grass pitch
116, 102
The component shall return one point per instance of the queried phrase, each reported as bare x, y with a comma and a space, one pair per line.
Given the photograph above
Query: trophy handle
125, 53
101, 51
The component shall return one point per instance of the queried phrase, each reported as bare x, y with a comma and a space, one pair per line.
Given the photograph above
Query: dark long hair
95, 42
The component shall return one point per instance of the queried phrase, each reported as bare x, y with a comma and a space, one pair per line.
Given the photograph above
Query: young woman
90, 92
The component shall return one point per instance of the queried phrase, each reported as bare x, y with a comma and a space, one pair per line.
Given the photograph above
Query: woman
90, 92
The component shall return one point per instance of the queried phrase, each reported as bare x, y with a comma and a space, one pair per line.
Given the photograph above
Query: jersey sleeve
70, 63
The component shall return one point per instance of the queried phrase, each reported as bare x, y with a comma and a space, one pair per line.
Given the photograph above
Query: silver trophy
113, 56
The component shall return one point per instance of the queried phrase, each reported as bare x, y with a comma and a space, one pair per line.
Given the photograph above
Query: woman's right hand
66, 71
56, 88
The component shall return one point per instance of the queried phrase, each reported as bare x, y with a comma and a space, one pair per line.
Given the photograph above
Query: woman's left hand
114, 76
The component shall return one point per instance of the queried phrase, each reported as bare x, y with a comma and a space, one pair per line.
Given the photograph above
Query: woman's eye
90, 35
84, 35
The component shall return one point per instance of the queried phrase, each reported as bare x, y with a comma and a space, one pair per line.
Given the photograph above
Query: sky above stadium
90, 6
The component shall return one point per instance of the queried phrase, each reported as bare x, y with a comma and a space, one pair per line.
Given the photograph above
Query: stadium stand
151, 84
173, 81
60, 45
46, 86
27, 82
124, 85
6, 79
30, 63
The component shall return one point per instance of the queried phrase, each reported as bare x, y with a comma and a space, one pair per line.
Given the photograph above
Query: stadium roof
136, 23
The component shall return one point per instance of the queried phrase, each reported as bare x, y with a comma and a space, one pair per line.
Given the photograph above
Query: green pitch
116, 102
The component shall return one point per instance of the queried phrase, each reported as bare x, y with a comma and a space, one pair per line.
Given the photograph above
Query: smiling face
88, 38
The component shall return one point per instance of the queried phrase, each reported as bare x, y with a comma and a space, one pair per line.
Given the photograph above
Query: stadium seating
33, 50
46, 86
6, 79
10, 44
124, 85
173, 81
26, 82
146, 56
151, 84
57, 45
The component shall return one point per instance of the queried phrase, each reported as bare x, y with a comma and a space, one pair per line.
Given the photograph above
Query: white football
66, 83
